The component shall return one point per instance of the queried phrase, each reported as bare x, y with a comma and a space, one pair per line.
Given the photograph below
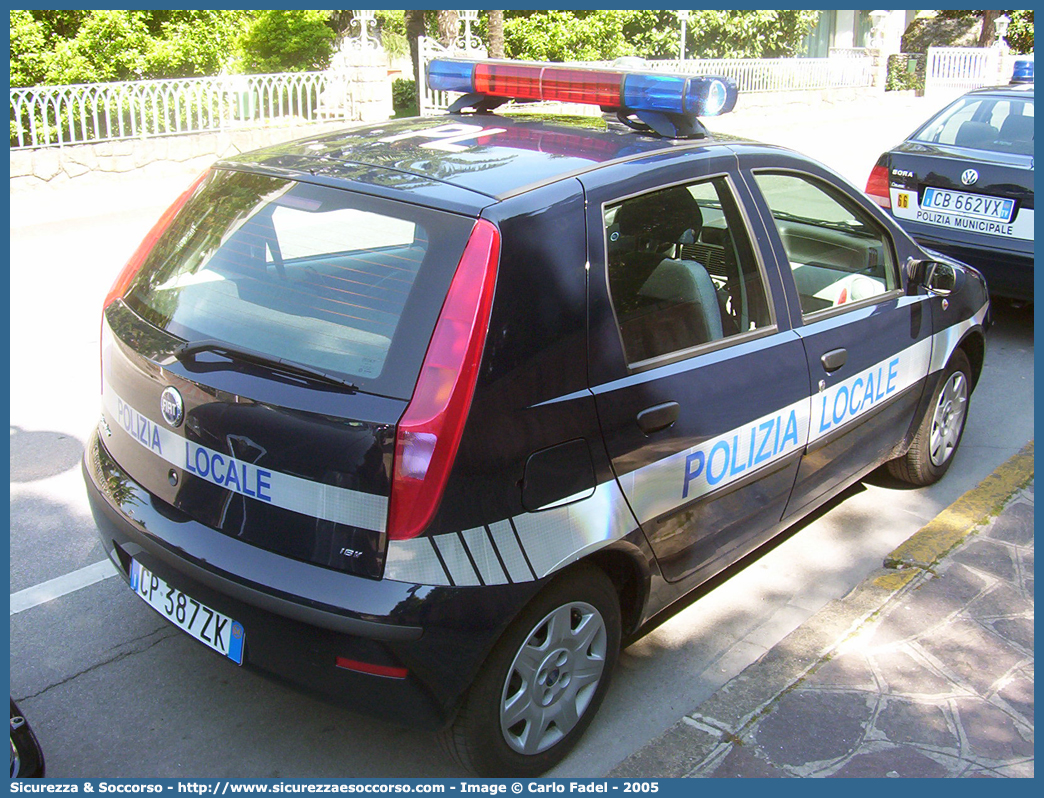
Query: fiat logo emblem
172, 407
969, 176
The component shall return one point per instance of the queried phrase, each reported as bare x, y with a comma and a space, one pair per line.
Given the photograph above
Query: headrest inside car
663, 216
1017, 128
975, 134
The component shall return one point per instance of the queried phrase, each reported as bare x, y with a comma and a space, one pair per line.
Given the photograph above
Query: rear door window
339, 281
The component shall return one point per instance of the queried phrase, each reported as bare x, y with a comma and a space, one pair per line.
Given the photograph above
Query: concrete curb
720, 721
932, 541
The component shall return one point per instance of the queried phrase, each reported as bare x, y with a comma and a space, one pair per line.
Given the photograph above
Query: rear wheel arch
630, 578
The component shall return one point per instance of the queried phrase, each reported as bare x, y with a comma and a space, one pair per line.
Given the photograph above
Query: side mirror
935, 276
941, 279
916, 271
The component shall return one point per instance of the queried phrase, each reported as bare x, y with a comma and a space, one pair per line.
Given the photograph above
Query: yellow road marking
932, 541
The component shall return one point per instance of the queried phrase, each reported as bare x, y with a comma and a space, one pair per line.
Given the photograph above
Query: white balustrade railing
779, 74
961, 68
54, 115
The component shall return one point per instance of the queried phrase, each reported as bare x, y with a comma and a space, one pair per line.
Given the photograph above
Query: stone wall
53, 165
358, 90
359, 80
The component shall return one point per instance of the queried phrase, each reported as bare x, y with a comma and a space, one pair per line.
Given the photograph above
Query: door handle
834, 359
659, 417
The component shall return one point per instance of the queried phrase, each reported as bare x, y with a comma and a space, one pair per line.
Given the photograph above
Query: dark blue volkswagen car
427, 415
962, 185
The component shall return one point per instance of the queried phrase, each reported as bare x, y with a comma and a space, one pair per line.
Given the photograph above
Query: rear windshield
997, 124
328, 278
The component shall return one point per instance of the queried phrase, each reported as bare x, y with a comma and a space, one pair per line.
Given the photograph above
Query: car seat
664, 304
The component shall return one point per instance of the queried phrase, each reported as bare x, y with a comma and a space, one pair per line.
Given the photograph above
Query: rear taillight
429, 432
877, 185
119, 288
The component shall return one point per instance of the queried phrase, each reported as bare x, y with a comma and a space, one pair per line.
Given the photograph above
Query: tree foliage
91, 46
1020, 32
71, 46
749, 34
109, 45
75, 46
193, 43
287, 41
28, 49
605, 35
566, 36
968, 28
391, 27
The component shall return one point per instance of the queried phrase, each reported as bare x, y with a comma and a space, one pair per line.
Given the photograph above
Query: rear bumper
1008, 272
299, 618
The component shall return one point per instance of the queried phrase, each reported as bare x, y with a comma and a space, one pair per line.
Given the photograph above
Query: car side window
838, 254
681, 270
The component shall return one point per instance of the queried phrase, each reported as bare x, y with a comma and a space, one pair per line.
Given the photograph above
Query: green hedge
404, 97
906, 71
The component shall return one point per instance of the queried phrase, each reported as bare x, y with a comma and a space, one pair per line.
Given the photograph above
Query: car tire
543, 682
940, 431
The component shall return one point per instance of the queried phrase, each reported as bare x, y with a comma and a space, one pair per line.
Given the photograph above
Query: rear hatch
257, 357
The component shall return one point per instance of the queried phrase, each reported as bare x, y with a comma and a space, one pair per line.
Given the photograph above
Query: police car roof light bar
667, 103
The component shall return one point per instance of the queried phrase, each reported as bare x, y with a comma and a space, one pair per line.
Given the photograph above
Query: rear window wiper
189, 349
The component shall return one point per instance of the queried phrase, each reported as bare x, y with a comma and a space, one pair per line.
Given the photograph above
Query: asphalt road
113, 690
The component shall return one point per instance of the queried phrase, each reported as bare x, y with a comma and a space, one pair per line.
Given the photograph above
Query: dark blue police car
962, 184
427, 415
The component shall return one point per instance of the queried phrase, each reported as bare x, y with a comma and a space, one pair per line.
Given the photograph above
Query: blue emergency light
669, 104
1023, 72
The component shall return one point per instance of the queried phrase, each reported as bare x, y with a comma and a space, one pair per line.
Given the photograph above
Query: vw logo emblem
172, 407
969, 176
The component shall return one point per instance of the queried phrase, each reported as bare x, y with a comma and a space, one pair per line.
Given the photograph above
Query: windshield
314, 275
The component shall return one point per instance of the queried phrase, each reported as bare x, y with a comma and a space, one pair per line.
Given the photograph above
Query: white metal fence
780, 74
53, 115
850, 71
961, 68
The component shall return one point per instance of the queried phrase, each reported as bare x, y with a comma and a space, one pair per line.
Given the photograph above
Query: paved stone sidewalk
934, 681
